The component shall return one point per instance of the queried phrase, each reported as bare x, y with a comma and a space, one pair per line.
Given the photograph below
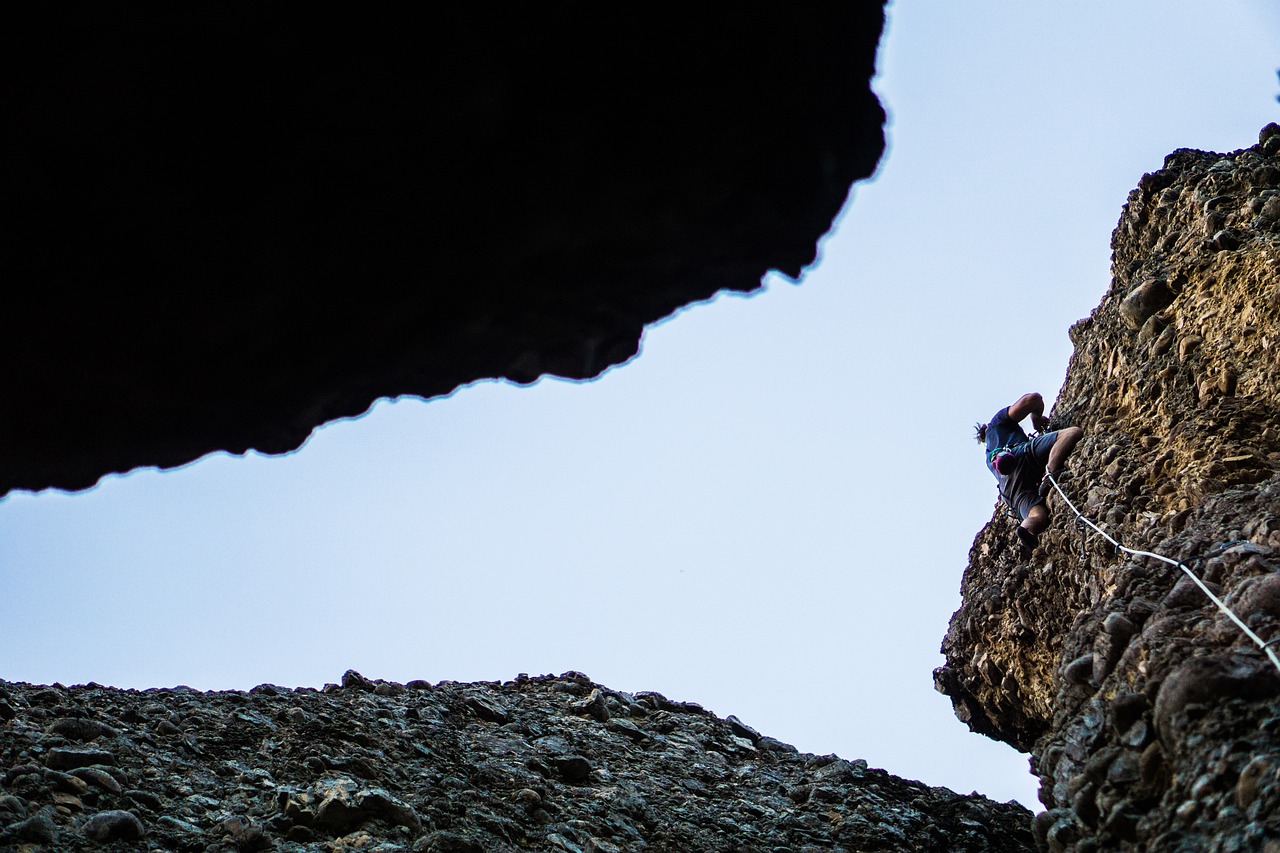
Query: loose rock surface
544, 763
1153, 721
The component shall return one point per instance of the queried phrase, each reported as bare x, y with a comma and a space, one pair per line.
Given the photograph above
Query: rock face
1153, 722
233, 225
544, 763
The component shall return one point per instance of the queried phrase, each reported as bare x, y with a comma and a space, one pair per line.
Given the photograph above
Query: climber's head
980, 432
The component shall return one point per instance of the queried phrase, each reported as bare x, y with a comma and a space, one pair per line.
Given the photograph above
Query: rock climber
1019, 462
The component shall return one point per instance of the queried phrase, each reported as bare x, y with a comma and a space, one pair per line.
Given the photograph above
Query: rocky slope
544, 763
1154, 724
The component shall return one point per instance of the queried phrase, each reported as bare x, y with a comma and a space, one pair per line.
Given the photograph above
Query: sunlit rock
1150, 716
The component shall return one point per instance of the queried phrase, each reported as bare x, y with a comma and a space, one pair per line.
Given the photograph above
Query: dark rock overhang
235, 224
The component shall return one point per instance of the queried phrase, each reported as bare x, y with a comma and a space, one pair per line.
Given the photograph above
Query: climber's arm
1029, 404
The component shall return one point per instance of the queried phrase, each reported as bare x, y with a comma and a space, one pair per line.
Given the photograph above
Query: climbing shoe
1028, 539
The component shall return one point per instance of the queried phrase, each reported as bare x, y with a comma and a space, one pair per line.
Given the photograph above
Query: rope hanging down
1264, 645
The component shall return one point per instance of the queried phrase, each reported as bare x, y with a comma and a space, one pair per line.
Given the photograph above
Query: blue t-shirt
1003, 431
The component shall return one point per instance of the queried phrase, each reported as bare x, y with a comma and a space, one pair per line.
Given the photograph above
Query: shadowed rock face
1153, 722
544, 763
235, 225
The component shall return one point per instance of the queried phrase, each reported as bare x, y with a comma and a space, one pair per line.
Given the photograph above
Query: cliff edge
1152, 720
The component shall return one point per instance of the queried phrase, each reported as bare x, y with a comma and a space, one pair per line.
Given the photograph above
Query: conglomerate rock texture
230, 224
1153, 721
544, 763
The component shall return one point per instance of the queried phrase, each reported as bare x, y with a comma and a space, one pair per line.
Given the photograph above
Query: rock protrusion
241, 222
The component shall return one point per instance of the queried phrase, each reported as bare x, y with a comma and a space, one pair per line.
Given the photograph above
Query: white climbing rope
1264, 645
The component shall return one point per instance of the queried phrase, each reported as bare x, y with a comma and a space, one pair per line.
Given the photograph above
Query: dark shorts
1022, 489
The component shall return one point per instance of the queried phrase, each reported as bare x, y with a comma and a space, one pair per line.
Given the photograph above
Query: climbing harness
1010, 452
995, 458
1221, 605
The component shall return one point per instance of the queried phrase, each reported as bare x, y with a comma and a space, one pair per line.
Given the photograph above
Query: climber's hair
980, 433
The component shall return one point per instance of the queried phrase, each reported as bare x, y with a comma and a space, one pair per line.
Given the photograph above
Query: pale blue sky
768, 511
